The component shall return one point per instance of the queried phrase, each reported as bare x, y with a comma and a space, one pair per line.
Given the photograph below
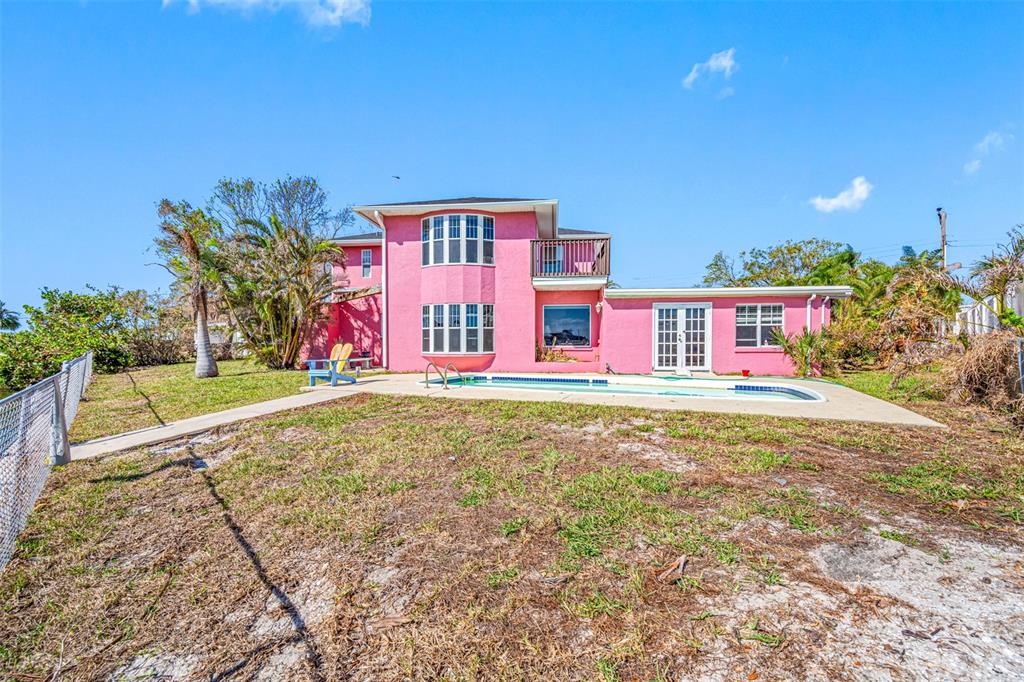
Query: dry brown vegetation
402, 538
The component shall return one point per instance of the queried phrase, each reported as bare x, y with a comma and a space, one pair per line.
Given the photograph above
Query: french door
682, 334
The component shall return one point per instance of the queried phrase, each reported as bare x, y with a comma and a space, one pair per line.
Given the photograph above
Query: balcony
571, 257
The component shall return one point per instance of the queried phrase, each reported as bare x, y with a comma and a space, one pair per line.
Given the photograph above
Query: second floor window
367, 255
457, 239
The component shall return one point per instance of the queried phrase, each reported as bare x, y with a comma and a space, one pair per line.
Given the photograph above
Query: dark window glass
472, 340
454, 251
567, 325
488, 341
489, 252
471, 250
746, 335
438, 251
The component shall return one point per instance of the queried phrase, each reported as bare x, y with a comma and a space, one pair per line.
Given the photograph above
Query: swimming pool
682, 387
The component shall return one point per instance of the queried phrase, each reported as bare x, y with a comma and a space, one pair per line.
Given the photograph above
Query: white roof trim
730, 292
415, 209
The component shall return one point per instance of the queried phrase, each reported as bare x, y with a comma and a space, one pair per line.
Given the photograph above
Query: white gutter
384, 288
824, 302
731, 292
810, 302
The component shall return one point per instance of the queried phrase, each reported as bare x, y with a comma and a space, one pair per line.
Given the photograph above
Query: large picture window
457, 239
567, 325
457, 328
756, 324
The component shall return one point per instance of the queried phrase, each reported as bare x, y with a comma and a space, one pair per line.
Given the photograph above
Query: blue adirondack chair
332, 368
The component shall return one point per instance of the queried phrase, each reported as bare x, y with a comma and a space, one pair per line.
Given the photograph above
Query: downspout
383, 288
824, 302
810, 301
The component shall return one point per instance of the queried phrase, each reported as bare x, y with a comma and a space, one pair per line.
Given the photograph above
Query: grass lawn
380, 537
151, 396
915, 388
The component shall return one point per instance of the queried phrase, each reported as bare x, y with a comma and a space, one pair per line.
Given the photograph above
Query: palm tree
187, 239
8, 318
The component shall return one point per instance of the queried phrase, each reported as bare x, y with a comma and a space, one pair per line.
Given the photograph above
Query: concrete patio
841, 403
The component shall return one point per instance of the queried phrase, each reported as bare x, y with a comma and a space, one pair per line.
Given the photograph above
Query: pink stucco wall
590, 356
349, 273
627, 334
508, 284
357, 321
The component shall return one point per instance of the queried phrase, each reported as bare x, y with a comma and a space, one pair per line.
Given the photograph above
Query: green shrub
67, 325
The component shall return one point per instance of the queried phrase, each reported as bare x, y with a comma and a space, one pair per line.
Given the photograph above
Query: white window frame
759, 324
446, 239
680, 322
463, 328
590, 324
366, 260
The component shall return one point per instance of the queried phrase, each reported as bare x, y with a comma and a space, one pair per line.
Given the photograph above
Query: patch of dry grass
394, 538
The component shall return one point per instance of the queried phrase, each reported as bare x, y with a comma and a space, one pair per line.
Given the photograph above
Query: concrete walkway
193, 425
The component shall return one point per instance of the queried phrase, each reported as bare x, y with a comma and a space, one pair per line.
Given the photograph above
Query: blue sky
680, 128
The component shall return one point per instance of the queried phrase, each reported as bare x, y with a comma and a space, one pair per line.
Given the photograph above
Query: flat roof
364, 239
730, 292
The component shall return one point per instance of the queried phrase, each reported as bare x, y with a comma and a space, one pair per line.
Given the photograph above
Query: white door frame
680, 355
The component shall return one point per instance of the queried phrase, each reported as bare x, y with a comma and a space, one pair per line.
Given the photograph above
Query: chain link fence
34, 425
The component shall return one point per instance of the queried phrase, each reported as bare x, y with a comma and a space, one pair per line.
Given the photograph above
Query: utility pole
942, 230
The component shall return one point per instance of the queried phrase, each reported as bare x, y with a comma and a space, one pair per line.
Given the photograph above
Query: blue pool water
695, 388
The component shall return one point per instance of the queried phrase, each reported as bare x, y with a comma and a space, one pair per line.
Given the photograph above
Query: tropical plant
812, 352
272, 273
188, 245
274, 281
989, 280
8, 318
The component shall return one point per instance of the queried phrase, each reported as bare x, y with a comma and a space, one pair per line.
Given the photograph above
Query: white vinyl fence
977, 319
34, 425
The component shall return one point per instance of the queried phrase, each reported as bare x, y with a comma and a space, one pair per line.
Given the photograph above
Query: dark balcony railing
571, 257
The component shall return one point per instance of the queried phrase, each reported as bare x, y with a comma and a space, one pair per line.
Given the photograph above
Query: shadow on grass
302, 633
149, 402
127, 478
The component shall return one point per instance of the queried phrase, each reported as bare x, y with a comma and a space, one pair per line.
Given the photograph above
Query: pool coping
841, 403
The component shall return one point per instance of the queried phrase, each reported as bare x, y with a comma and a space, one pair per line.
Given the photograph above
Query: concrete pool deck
841, 403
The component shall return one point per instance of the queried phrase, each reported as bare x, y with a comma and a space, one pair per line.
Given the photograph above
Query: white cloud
727, 91
993, 142
320, 13
722, 62
850, 199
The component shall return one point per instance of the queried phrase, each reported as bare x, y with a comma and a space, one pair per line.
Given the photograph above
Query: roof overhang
546, 210
731, 292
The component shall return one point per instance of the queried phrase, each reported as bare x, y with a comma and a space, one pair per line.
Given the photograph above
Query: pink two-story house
497, 285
